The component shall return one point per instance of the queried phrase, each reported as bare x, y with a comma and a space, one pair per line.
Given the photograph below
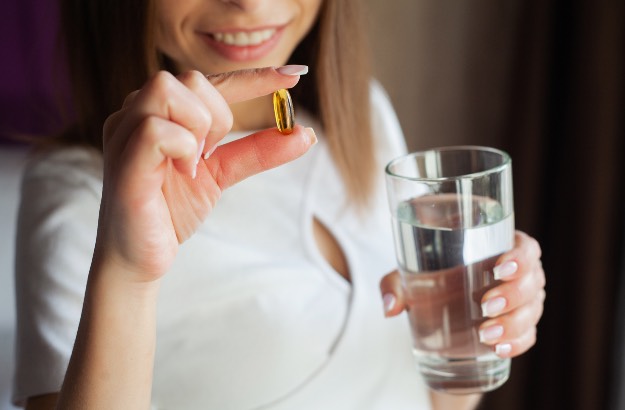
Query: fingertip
311, 136
389, 301
503, 350
200, 151
392, 294
208, 153
292, 69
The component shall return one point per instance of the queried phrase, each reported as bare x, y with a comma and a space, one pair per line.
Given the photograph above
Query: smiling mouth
244, 38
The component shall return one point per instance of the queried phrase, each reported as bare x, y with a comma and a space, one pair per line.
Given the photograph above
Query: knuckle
516, 291
192, 79
542, 280
204, 121
538, 313
220, 80
227, 119
519, 320
216, 169
525, 342
535, 247
251, 74
162, 82
148, 130
129, 98
222, 121
110, 124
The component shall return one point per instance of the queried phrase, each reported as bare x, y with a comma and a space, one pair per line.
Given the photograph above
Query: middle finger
510, 295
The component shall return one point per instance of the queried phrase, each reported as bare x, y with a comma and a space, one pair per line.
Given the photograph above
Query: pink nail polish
389, 302
505, 269
199, 152
493, 307
293, 69
312, 137
491, 333
503, 349
210, 152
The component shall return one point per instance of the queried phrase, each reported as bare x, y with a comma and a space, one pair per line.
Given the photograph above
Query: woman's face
214, 36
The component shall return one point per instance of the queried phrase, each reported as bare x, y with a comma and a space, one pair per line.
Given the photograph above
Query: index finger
242, 85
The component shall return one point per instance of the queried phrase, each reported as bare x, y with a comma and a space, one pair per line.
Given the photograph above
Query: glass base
464, 376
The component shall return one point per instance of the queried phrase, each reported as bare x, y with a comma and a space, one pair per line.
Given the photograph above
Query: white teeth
245, 38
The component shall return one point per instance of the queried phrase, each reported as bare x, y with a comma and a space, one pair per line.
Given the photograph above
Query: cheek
309, 10
171, 18
315, 5
164, 34
169, 40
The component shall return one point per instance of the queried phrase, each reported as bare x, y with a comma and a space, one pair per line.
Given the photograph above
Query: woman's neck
253, 114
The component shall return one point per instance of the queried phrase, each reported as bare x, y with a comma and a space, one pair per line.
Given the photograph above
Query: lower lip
243, 53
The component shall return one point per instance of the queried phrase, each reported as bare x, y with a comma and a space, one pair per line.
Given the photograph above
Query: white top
251, 315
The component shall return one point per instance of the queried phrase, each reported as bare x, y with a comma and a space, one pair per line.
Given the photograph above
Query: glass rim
506, 161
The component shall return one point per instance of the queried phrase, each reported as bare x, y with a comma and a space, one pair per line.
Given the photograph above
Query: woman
188, 296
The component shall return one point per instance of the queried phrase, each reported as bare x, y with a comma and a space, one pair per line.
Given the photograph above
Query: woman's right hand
157, 186
157, 190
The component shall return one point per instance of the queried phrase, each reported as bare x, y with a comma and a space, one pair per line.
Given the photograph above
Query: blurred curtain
544, 80
565, 129
617, 390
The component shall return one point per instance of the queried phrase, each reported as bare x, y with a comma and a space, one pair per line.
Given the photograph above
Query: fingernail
210, 151
491, 333
505, 269
389, 302
493, 307
293, 69
199, 152
503, 349
312, 138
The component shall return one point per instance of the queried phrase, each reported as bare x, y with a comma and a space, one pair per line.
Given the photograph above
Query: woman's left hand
512, 309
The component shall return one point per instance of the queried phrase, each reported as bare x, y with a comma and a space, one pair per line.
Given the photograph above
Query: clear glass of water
453, 216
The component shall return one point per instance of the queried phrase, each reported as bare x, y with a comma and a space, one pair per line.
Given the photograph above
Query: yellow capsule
283, 108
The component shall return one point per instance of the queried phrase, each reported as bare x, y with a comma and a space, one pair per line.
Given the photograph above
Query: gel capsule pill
283, 108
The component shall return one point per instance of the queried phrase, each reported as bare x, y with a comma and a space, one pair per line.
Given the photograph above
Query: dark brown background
544, 80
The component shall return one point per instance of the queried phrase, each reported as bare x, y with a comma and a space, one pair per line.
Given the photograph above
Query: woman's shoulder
71, 166
61, 181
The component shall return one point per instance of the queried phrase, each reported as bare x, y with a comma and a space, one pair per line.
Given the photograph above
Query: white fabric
251, 315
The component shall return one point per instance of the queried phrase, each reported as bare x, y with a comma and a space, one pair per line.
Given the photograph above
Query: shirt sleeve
56, 230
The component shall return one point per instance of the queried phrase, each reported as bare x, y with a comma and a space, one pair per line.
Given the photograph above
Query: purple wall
32, 80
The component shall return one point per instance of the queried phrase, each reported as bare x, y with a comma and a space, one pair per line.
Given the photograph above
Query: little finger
518, 346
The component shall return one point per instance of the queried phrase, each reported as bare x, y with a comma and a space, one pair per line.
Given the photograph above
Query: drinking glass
452, 214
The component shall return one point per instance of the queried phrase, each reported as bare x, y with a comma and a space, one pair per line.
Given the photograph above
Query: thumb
263, 150
392, 294
242, 85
